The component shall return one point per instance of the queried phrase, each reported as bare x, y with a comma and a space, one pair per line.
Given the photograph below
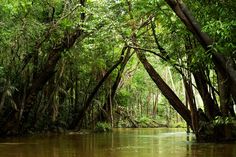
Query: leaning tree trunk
77, 121
222, 64
109, 102
15, 124
165, 89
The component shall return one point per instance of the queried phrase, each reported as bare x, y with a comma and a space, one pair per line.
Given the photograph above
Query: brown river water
161, 142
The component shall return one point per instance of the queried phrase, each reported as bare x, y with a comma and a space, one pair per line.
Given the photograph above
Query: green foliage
1, 72
219, 121
144, 122
103, 127
32, 30
218, 21
124, 123
179, 125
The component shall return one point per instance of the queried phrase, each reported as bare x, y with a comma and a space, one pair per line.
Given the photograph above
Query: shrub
103, 127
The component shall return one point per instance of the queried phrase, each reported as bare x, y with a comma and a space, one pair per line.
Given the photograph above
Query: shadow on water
161, 142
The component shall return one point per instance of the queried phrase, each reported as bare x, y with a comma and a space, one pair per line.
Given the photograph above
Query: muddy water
119, 143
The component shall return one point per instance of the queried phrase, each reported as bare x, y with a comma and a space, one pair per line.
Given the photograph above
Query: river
161, 142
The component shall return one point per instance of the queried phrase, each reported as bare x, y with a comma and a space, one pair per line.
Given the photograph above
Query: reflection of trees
210, 150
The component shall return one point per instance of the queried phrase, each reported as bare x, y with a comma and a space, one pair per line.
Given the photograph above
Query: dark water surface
120, 143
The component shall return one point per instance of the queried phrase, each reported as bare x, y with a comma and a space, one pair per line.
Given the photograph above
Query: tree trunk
211, 109
41, 78
222, 64
155, 107
77, 122
224, 94
165, 89
191, 102
148, 104
111, 95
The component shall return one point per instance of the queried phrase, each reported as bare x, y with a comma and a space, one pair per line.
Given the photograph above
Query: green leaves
66, 24
16, 7
143, 7
2, 73
218, 121
31, 30
103, 127
219, 29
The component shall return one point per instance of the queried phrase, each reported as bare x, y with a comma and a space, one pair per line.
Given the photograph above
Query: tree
61, 61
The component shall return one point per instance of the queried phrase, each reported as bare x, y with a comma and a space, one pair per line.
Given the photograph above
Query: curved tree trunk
165, 89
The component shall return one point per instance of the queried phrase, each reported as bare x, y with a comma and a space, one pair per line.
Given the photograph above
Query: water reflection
212, 150
120, 143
